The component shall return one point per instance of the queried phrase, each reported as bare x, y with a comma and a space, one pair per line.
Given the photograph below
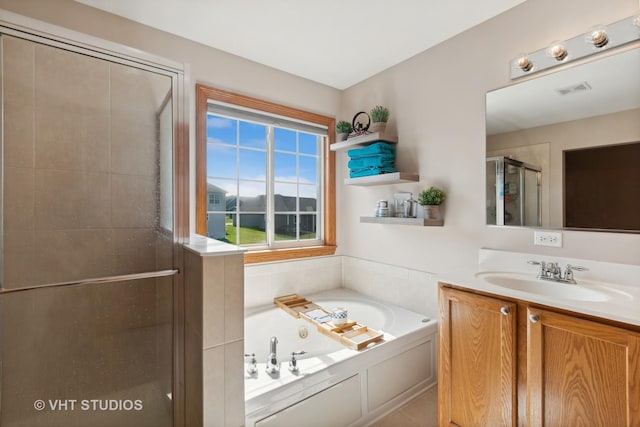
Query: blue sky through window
236, 149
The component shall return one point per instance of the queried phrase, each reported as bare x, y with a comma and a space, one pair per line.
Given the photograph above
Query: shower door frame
52, 35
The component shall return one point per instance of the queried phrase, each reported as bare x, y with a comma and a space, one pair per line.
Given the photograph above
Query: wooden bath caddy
350, 334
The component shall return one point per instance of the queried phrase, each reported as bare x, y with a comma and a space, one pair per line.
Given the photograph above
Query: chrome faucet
551, 271
273, 365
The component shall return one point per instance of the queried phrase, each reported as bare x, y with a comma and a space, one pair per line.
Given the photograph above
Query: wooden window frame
203, 95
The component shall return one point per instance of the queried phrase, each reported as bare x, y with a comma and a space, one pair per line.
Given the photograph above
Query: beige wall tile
234, 384
164, 251
19, 253
137, 94
213, 301
133, 250
72, 255
72, 111
213, 370
134, 201
72, 200
18, 94
193, 293
19, 199
233, 297
134, 147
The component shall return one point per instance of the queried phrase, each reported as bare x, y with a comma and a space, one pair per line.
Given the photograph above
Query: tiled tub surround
265, 281
408, 288
336, 385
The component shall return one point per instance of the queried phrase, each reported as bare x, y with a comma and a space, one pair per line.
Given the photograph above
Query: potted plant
431, 199
343, 129
379, 117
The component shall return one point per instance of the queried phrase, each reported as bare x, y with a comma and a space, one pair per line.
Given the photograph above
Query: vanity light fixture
597, 39
557, 51
597, 36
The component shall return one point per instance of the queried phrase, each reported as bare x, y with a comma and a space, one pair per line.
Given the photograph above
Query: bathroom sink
525, 283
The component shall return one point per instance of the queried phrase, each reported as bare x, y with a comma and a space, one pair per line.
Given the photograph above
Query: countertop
204, 246
619, 308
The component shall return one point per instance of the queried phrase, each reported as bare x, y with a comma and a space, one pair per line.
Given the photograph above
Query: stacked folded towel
373, 159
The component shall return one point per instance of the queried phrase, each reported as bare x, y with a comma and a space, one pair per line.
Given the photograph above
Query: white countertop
623, 306
204, 246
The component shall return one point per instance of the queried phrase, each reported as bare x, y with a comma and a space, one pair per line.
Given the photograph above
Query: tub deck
327, 362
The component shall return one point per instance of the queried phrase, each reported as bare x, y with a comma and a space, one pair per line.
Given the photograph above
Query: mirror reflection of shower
513, 191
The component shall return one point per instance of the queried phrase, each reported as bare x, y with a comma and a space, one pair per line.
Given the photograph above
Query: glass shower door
86, 291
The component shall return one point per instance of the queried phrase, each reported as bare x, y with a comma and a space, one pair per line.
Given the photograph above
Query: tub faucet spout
273, 365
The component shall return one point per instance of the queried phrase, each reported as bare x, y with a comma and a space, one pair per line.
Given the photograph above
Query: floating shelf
421, 222
383, 179
360, 140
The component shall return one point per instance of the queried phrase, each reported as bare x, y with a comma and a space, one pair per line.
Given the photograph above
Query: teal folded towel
371, 161
369, 150
357, 173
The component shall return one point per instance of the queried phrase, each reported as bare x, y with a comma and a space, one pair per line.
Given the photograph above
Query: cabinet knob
505, 310
534, 318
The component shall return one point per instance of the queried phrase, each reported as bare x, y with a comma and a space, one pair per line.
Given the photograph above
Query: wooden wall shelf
421, 222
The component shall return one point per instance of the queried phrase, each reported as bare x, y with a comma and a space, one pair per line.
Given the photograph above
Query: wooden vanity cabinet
533, 366
476, 355
581, 372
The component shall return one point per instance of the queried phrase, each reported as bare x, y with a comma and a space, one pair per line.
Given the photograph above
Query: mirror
544, 121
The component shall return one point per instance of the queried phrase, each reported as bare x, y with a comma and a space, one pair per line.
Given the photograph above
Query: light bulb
524, 63
557, 51
598, 36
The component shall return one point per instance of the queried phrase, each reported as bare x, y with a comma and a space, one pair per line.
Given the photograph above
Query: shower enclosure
91, 216
513, 192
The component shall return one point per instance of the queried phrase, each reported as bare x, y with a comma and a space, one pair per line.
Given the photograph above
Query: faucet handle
544, 268
568, 272
293, 363
252, 365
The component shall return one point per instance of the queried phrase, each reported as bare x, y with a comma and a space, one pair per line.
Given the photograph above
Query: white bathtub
335, 385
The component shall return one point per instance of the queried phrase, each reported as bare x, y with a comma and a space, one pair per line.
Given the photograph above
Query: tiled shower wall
80, 166
412, 289
80, 197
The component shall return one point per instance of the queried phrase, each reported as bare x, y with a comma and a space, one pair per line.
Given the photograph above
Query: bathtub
335, 385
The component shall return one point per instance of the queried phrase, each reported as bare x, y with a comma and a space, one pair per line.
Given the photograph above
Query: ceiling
335, 42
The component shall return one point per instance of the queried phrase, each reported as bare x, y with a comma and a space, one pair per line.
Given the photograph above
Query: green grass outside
250, 236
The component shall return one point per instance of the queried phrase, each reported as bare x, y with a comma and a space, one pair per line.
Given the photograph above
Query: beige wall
608, 129
437, 102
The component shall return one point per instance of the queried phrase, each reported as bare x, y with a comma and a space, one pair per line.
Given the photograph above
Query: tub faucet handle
293, 363
252, 365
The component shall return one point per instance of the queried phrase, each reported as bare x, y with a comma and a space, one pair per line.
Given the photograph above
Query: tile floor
419, 412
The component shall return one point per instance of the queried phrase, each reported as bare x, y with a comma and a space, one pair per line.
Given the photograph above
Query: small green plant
379, 114
431, 196
343, 127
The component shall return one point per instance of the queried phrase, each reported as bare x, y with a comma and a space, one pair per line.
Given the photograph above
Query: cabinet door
581, 372
477, 376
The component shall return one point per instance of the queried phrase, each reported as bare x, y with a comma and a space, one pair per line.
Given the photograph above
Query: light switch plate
547, 238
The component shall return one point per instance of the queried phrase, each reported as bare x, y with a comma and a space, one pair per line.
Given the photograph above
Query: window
265, 177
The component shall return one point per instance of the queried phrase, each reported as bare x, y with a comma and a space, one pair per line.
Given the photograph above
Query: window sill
287, 254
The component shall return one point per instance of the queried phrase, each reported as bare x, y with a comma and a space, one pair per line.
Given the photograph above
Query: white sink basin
525, 283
